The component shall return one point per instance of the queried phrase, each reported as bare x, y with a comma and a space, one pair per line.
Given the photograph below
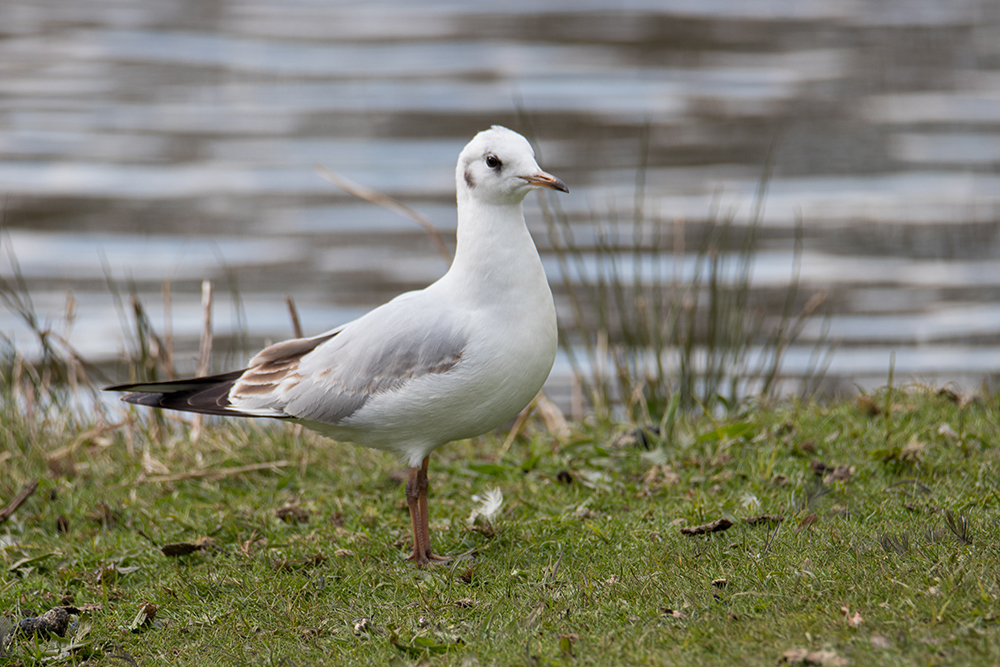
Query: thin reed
651, 324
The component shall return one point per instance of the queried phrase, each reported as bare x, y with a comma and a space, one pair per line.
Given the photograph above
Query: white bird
451, 361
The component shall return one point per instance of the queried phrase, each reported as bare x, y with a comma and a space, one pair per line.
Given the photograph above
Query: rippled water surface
177, 141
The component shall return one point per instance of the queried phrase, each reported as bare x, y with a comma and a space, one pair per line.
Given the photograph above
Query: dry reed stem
86, 436
168, 331
22, 495
388, 203
516, 428
204, 350
217, 473
555, 421
293, 312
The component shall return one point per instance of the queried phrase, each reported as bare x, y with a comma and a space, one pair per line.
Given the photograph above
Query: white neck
495, 256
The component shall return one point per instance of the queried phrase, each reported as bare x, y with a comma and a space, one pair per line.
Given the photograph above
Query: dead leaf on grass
853, 620
807, 446
175, 549
841, 473
716, 526
292, 514
820, 468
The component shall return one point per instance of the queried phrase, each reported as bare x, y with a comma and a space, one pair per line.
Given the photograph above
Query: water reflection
177, 141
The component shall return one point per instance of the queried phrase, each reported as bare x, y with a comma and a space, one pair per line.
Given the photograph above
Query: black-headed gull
451, 361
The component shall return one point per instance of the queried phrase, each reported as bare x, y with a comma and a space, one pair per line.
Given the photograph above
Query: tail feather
207, 395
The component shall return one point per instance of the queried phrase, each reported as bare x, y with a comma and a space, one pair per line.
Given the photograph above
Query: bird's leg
425, 529
413, 492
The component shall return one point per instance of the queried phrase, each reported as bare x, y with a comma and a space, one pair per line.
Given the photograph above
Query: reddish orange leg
416, 499
412, 500
425, 529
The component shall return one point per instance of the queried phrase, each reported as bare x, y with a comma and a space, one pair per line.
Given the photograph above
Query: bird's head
498, 167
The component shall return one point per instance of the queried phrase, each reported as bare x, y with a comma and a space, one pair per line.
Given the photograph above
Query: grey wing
328, 378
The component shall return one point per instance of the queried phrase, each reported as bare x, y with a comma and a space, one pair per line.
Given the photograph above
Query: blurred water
176, 141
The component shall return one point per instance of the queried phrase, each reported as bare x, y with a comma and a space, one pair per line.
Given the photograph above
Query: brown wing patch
290, 350
274, 365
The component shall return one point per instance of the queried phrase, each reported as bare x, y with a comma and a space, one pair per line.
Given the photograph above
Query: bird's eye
493, 162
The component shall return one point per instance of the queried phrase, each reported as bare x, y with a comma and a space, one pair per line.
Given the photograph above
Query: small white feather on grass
489, 505
750, 502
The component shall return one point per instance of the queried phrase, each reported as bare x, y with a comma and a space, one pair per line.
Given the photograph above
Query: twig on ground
22, 495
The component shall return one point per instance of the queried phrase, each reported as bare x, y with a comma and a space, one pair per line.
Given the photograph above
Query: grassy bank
887, 552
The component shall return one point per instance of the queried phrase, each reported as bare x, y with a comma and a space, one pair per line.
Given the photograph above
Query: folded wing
326, 378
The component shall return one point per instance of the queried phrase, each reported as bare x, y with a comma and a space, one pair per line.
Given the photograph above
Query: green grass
585, 565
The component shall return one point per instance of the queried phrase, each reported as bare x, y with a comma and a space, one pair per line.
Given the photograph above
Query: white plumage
451, 361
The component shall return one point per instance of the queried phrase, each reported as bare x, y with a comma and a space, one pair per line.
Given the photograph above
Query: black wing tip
143, 398
207, 395
173, 386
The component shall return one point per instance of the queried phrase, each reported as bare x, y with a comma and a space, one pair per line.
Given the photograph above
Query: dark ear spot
469, 180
